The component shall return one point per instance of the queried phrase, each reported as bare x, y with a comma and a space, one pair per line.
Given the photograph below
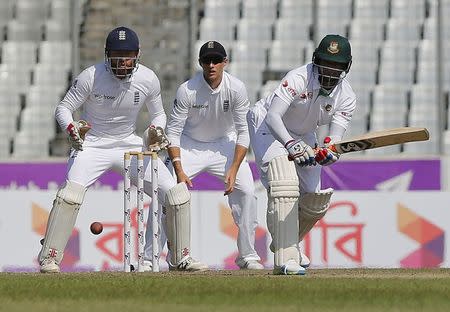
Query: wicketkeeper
111, 93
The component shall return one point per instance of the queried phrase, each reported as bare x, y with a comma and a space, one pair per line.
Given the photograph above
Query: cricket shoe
148, 266
290, 268
189, 265
304, 260
249, 264
49, 265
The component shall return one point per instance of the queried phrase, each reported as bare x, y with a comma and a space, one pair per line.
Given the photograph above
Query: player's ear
225, 61
199, 62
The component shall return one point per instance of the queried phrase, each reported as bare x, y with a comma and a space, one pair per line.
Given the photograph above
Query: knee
71, 193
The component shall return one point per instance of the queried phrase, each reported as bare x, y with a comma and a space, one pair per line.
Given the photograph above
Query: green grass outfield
216, 291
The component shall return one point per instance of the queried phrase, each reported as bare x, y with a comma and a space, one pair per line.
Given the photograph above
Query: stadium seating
36, 60
393, 44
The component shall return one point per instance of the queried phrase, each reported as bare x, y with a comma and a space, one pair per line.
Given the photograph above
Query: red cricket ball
96, 228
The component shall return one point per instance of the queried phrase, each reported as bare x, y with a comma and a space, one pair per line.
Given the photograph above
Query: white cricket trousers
215, 158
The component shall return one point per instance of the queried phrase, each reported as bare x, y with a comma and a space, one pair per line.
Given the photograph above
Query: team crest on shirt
136, 97
226, 105
328, 107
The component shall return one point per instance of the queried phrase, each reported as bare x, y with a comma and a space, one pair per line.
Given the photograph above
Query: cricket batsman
283, 128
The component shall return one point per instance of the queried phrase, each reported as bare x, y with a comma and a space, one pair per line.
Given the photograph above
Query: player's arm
74, 99
298, 150
177, 120
239, 112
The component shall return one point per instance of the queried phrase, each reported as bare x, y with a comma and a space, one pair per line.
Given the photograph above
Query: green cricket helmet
332, 59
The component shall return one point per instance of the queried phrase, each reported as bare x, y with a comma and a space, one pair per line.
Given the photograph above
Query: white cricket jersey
308, 109
111, 105
207, 115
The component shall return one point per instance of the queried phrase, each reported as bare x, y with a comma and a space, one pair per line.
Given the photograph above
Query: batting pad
62, 220
178, 223
312, 207
282, 212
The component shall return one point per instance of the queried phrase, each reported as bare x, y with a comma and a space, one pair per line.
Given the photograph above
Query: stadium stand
393, 41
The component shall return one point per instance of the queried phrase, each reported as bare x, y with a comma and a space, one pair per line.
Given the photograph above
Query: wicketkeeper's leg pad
312, 207
62, 220
282, 213
178, 223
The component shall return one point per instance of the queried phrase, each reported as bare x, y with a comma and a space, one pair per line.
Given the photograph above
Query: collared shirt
308, 108
207, 115
111, 105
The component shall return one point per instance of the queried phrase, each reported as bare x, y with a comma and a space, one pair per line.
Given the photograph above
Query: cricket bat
381, 138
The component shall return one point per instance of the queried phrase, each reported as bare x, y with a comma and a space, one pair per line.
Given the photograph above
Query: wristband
175, 159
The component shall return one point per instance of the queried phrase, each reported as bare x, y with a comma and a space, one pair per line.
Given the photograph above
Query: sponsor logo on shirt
306, 95
346, 114
104, 96
226, 105
200, 105
289, 89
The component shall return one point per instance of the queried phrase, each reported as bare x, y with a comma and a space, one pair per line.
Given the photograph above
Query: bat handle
333, 148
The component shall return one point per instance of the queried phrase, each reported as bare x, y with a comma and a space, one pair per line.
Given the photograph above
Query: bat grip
333, 148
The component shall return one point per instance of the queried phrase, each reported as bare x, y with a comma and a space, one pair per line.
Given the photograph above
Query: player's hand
301, 153
183, 178
326, 156
77, 131
155, 139
230, 180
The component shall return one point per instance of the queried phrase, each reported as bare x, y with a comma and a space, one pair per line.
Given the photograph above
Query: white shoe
49, 265
189, 265
148, 266
249, 264
290, 268
304, 260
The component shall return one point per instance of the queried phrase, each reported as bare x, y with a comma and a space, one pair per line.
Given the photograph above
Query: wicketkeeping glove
325, 156
155, 139
301, 153
77, 131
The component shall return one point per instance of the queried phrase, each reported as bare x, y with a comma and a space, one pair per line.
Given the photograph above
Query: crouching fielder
282, 130
111, 94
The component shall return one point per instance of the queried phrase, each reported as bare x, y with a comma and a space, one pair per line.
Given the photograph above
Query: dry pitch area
319, 290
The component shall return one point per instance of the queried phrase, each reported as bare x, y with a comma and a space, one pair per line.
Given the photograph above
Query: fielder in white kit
209, 133
111, 93
283, 136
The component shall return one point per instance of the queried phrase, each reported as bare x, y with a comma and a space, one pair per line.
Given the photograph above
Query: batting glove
301, 153
155, 139
325, 156
77, 131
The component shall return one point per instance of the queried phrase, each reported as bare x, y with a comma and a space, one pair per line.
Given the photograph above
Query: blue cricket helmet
122, 39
